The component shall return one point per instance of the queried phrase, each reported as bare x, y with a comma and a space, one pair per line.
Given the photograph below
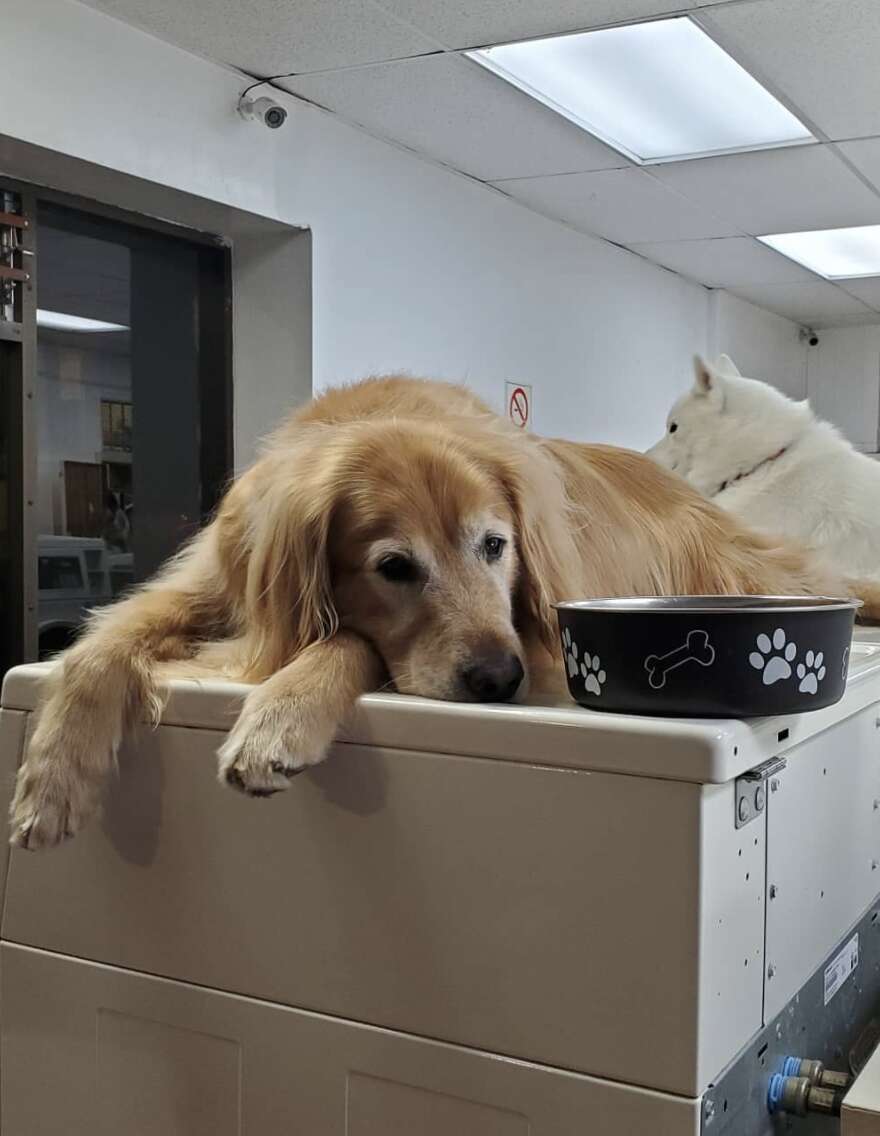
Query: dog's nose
493, 676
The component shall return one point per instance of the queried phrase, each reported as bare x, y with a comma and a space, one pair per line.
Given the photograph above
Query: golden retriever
393, 531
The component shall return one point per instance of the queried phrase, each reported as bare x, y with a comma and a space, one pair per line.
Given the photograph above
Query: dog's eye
673, 426
493, 546
398, 569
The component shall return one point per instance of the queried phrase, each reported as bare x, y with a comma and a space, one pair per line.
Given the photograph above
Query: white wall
844, 382
840, 377
763, 345
70, 386
413, 266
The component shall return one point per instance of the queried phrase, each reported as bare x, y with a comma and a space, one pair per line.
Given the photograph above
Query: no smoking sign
519, 405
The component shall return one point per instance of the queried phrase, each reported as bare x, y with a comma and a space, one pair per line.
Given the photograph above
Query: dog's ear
288, 597
544, 524
726, 366
708, 382
704, 375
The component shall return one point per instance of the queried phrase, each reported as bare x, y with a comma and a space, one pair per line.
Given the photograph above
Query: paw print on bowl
592, 674
773, 658
570, 651
810, 672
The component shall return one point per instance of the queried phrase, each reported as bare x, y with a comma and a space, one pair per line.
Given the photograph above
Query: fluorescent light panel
657, 91
837, 254
61, 321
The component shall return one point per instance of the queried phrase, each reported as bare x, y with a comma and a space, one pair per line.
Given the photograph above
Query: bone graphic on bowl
696, 648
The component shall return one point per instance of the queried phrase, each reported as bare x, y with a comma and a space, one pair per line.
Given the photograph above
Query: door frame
19, 378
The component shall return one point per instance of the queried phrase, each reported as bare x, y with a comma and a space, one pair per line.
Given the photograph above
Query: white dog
774, 464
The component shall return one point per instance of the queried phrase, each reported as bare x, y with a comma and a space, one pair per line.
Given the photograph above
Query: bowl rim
709, 605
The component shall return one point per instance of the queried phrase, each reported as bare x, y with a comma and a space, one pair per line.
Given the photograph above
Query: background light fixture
836, 254
61, 321
658, 91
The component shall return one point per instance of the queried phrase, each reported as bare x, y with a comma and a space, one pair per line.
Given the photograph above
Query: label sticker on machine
841, 967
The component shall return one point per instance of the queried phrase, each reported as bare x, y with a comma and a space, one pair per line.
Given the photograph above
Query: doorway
116, 379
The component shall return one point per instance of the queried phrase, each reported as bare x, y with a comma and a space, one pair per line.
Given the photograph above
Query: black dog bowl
707, 656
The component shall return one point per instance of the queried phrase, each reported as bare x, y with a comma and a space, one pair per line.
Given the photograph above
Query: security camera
263, 110
808, 336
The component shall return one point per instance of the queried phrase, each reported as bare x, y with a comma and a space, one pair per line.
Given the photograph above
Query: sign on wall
518, 399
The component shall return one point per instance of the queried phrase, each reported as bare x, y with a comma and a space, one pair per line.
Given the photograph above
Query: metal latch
751, 790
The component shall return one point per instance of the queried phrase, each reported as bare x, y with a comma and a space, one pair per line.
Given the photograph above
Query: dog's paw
50, 804
272, 741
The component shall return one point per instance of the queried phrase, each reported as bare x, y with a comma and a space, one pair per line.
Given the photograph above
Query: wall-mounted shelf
17, 274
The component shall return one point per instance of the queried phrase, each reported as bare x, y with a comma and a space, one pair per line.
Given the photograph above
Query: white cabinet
469, 920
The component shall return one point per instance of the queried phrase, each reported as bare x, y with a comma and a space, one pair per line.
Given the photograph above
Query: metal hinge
751, 790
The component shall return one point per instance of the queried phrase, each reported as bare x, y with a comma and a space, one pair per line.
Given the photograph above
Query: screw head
760, 797
774, 891
774, 785
744, 809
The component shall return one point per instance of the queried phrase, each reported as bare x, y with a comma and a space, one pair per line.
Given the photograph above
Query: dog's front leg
102, 683
288, 722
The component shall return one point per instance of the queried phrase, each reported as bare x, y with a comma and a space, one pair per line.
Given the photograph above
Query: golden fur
283, 588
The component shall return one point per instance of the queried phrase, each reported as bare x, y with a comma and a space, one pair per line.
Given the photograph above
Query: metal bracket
751, 790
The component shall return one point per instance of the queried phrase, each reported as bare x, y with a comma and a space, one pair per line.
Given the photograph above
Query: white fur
820, 491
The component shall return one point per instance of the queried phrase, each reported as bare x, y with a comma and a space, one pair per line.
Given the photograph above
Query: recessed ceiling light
837, 254
657, 92
60, 321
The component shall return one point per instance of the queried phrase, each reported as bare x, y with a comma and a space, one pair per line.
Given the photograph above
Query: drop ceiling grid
726, 197
394, 68
298, 37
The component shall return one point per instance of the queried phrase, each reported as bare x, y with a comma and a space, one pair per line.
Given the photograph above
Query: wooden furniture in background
84, 498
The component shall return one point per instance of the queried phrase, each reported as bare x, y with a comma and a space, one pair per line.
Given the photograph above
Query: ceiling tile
777, 191
819, 304
271, 37
461, 23
867, 290
627, 206
725, 261
453, 110
865, 156
820, 54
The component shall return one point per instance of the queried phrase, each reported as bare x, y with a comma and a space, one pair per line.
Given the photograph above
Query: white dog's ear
726, 366
707, 380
